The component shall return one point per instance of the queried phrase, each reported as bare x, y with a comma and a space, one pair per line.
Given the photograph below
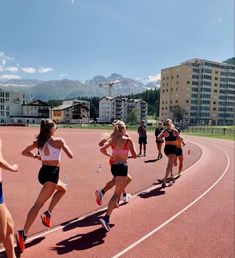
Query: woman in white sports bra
49, 152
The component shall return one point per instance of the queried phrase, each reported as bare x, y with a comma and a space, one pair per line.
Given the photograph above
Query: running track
192, 218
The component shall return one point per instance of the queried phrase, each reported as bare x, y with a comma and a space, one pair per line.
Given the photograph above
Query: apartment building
10, 105
71, 112
111, 108
203, 91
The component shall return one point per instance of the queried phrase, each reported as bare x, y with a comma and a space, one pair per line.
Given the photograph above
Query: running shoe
20, 240
99, 196
105, 223
46, 219
127, 198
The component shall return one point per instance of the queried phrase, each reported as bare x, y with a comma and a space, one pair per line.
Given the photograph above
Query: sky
79, 39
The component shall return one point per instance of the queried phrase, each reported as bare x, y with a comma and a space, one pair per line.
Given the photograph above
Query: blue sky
78, 39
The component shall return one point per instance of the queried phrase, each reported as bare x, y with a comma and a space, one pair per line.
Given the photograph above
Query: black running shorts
169, 149
48, 174
142, 140
119, 169
179, 152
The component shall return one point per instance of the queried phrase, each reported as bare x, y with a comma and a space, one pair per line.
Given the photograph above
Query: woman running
120, 145
170, 134
49, 152
159, 142
6, 221
99, 194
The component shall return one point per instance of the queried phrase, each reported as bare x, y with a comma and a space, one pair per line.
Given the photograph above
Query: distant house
71, 112
32, 113
119, 108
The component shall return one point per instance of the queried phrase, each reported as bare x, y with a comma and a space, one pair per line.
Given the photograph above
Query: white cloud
44, 69
153, 78
64, 75
4, 58
9, 76
12, 69
218, 19
29, 69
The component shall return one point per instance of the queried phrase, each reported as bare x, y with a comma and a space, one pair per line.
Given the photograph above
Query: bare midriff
55, 163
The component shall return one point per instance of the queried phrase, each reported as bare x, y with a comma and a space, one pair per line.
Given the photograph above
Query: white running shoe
127, 198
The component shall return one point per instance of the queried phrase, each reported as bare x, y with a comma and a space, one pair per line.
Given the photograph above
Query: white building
71, 112
10, 105
32, 113
119, 108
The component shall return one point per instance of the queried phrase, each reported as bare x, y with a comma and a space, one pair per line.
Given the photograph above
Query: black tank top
171, 137
157, 131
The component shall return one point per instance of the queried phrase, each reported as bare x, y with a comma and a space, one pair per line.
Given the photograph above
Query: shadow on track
81, 241
86, 222
27, 245
150, 160
152, 193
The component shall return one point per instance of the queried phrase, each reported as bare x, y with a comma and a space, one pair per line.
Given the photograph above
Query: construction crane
110, 85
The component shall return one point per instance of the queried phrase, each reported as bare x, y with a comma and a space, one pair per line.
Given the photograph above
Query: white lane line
177, 214
44, 233
59, 227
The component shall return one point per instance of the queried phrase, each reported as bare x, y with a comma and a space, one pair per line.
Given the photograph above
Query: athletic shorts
1, 194
142, 140
170, 149
179, 152
48, 174
119, 169
160, 141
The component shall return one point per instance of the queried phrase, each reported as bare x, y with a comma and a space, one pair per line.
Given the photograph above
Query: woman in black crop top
170, 134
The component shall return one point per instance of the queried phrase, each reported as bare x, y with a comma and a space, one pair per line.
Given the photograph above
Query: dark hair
45, 131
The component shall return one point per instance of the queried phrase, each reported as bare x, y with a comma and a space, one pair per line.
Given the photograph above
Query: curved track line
44, 233
178, 213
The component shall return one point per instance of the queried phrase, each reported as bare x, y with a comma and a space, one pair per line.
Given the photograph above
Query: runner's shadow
81, 241
87, 221
152, 193
151, 160
27, 245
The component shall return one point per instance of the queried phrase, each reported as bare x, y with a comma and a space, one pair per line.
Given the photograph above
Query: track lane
87, 239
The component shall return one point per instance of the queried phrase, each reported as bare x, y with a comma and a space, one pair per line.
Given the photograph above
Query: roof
66, 106
36, 102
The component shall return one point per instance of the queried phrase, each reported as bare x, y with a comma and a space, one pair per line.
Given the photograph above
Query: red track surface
192, 218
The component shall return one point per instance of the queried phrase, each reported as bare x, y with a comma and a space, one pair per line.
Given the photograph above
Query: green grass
219, 132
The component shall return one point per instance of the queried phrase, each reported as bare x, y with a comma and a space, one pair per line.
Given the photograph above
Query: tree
177, 113
132, 117
230, 61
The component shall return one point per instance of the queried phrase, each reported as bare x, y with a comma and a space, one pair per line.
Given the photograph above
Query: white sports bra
53, 153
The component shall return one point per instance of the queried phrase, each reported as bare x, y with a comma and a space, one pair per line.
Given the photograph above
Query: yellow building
198, 92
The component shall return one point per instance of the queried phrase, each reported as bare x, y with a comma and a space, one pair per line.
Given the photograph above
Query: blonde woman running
6, 221
120, 145
49, 148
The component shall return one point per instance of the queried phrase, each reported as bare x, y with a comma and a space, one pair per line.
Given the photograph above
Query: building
32, 113
10, 105
71, 112
198, 92
119, 108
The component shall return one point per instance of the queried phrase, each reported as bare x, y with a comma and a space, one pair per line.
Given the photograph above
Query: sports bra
54, 153
170, 137
123, 151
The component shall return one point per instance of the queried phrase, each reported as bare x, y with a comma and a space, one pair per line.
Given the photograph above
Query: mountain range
68, 89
